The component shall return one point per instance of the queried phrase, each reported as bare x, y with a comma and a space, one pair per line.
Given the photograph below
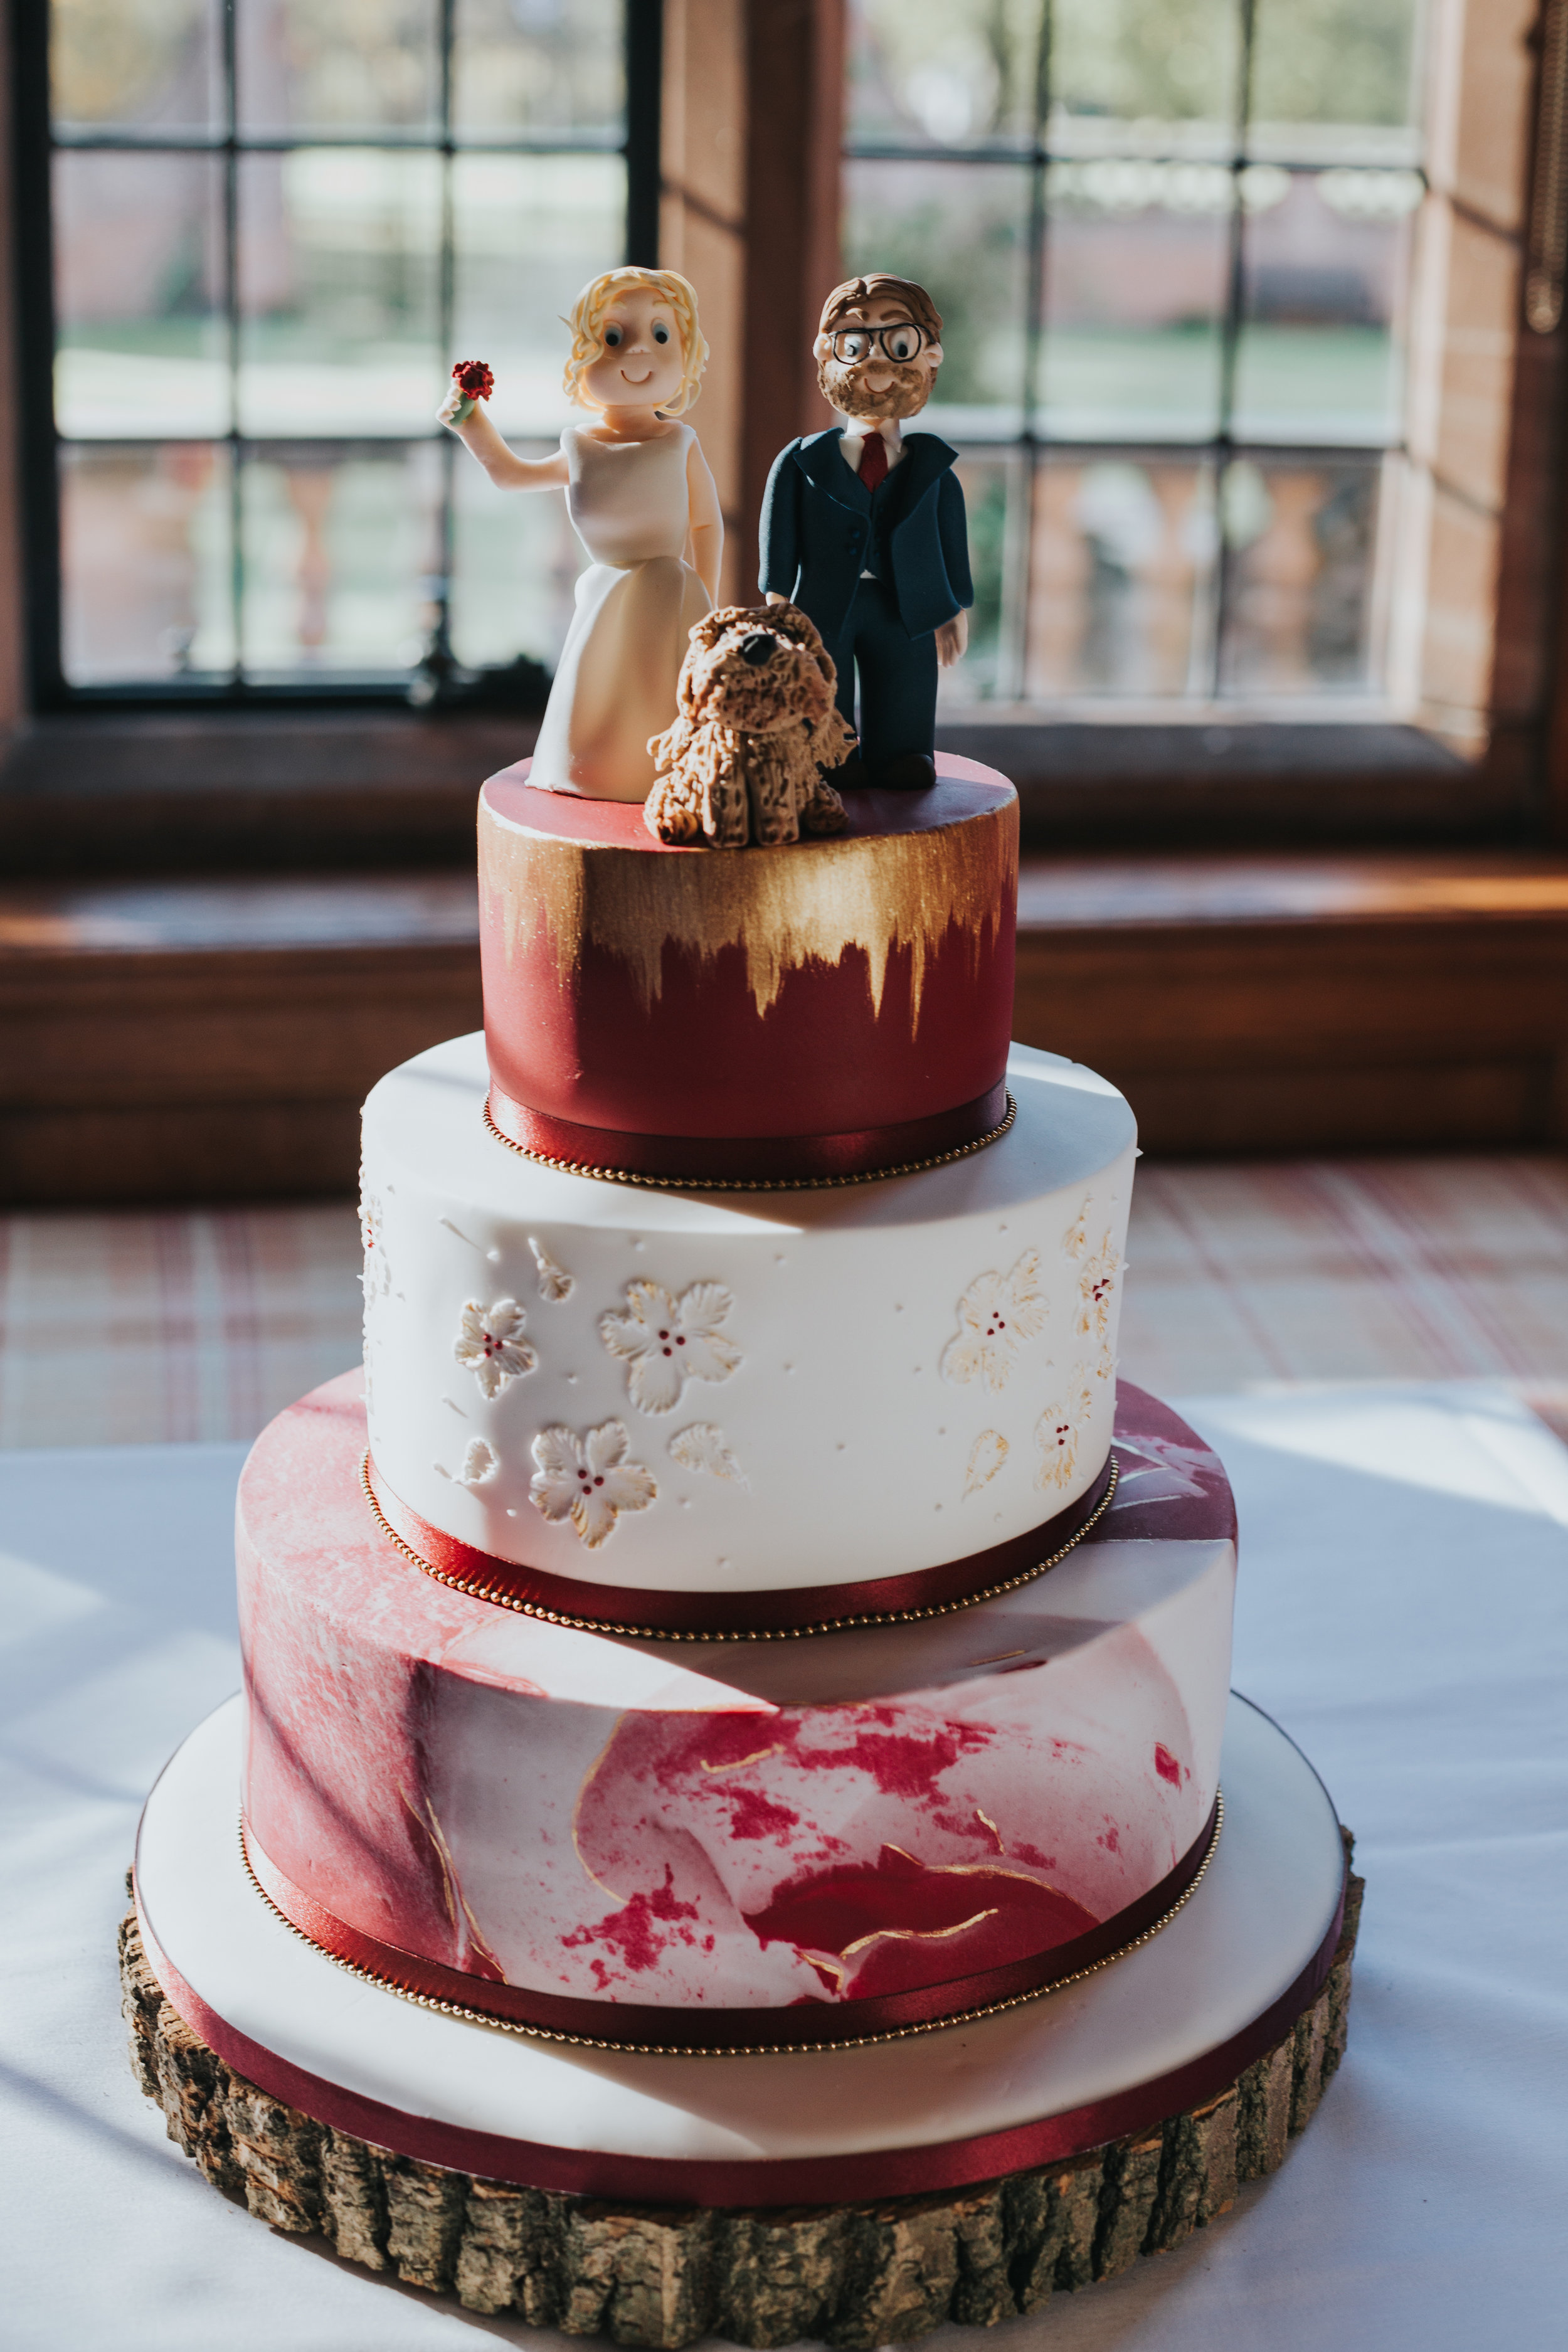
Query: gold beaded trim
503, 1600
752, 1183
754, 2048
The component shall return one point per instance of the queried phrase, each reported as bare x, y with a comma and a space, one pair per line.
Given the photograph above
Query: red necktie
873, 461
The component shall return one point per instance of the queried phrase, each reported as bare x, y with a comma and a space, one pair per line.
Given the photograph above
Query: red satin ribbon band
765, 1159
721, 1616
781, 2180
633, 2026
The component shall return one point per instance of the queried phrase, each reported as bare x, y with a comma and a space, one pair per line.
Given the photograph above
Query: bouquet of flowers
472, 381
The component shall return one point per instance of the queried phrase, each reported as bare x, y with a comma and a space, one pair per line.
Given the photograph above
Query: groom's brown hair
880, 286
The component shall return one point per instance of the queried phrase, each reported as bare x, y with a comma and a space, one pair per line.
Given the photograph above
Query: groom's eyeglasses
902, 343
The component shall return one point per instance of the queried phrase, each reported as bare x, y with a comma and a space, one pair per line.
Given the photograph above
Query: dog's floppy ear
796, 623
792, 623
707, 632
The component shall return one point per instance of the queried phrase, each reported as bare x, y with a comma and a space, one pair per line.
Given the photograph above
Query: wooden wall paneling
1243, 1003
796, 59
12, 632
1484, 409
753, 109
702, 230
141, 1060
151, 1158
1427, 1008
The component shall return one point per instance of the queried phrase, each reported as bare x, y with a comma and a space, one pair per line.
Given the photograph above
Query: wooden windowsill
171, 793
213, 1037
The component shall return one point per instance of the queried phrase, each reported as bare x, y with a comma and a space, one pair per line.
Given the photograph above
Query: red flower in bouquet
474, 379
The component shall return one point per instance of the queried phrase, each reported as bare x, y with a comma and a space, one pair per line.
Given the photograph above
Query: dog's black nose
757, 648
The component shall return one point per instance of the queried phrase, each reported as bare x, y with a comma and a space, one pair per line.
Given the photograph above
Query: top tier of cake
826, 1008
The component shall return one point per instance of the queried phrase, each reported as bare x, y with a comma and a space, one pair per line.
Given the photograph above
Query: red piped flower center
473, 379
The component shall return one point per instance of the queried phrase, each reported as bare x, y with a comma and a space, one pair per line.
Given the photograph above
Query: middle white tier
720, 1392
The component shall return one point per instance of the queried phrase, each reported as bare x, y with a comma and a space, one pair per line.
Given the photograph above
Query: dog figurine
758, 728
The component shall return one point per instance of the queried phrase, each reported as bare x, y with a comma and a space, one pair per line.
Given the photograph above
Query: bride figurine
642, 503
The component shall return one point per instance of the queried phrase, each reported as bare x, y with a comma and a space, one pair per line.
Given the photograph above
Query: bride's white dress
637, 603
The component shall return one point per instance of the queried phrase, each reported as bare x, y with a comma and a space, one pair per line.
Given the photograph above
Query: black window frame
34, 146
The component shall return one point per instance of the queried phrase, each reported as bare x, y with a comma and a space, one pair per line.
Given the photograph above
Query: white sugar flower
480, 1461
702, 1447
1097, 1284
554, 1283
667, 1342
376, 1278
986, 1456
1060, 1430
588, 1480
994, 1314
491, 1344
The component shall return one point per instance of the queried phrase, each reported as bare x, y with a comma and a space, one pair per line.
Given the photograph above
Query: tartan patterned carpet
130, 1327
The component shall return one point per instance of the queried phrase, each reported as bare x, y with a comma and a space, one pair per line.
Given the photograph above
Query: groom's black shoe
852, 777
904, 771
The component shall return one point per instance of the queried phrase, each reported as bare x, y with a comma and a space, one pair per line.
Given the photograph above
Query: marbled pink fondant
734, 1825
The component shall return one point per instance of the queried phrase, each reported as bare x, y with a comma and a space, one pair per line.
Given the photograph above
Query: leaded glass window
1172, 244
273, 225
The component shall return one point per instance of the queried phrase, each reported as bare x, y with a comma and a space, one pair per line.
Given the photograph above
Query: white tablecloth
1402, 1613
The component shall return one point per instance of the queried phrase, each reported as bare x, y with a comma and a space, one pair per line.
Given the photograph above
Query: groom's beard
844, 389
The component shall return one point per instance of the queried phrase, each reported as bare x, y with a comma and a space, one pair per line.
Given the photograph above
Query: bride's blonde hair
587, 325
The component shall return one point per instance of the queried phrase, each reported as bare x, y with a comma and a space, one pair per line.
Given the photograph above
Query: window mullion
1230, 344
231, 317
1018, 582
441, 635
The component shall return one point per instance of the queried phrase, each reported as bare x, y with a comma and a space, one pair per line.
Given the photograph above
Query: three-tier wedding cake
737, 1622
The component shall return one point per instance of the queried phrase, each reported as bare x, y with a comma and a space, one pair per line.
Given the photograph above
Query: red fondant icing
746, 1159
885, 1924
639, 1930
588, 1051
1166, 1765
615, 1605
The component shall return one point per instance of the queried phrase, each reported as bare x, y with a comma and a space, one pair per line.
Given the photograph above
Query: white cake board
624, 2124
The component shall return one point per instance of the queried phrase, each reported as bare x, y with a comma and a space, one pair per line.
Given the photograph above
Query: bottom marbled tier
730, 1842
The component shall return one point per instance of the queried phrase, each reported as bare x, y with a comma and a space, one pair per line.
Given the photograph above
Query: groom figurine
864, 530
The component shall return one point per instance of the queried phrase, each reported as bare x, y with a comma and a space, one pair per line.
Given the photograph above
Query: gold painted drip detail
755, 1184
783, 908
478, 1591
754, 2048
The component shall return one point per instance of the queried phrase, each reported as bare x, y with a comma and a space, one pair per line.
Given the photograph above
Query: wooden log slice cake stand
856, 2196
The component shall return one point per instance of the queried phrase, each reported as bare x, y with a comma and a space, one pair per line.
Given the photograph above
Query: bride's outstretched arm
706, 521
507, 471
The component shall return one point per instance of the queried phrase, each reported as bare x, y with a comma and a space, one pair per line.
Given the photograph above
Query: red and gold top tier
831, 1007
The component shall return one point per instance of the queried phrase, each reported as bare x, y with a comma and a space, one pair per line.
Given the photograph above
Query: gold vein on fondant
783, 908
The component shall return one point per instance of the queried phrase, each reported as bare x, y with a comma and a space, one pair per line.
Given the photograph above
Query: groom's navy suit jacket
822, 528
